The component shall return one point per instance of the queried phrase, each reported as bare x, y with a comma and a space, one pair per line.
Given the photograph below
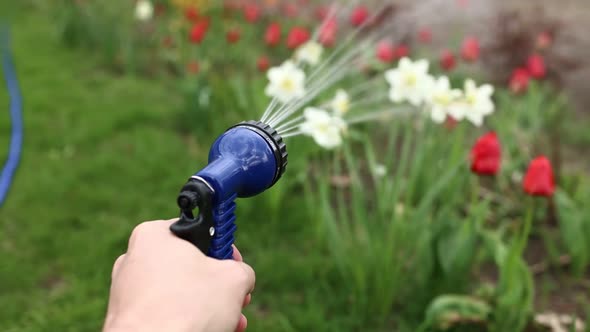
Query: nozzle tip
188, 200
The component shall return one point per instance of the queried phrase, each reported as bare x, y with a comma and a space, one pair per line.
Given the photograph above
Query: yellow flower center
342, 106
442, 99
410, 79
323, 128
471, 99
288, 85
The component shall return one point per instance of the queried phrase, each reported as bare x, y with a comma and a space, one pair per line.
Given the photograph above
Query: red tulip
486, 155
401, 51
447, 60
233, 36
544, 40
263, 63
538, 180
462, 3
193, 67
272, 37
251, 12
536, 66
451, 123
322, 12
385, 52
470, 49
359, 15
328, 31
519, 82
198, 31
191, 13
425, 35
297, 37
290, 10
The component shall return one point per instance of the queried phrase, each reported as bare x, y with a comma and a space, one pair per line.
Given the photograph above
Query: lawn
105, 151
102, 154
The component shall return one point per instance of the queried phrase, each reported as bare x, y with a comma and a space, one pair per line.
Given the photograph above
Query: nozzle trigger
198, 230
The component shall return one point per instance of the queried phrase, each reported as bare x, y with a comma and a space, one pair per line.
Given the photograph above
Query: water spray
251, 156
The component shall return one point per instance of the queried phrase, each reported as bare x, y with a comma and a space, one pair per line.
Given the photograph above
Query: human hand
164, 283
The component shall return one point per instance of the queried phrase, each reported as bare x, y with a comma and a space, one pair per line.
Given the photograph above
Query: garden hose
16, 119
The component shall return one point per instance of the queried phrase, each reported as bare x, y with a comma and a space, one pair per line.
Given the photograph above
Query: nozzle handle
212, 230
224, 222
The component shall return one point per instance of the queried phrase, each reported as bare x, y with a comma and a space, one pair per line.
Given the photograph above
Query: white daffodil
144, 10
341, 103
477, 102
286, 82
324, 128
443, 100
379, 170
410, 81
310, 52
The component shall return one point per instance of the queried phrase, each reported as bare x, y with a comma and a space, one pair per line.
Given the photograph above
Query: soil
557, 290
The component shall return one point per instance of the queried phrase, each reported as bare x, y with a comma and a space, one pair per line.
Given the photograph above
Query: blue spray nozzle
247, 159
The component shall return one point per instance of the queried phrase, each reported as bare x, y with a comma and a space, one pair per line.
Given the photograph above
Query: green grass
106, 152
103, 154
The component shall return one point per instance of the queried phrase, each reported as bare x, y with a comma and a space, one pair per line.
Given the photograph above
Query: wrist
131, 325
120, 324
117, 325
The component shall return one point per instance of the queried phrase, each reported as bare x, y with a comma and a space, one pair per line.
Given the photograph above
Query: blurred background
398, 229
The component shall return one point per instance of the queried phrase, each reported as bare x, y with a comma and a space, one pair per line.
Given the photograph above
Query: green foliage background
105, 151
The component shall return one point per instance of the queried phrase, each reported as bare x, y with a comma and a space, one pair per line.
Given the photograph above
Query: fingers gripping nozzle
247, 159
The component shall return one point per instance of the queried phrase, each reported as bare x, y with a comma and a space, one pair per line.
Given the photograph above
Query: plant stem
528, 223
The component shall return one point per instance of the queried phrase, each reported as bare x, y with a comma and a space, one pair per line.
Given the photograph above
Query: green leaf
514, 299
458, 242
447, 311
456, 248
572, 229
496, 248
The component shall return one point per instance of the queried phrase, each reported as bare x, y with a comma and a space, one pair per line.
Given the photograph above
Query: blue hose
16, 137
